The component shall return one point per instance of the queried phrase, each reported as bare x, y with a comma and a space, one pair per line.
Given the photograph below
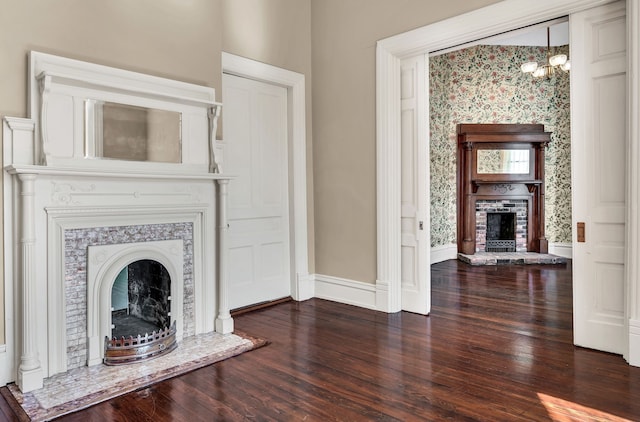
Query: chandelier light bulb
529, 67
539, 72
558, 60
566, 66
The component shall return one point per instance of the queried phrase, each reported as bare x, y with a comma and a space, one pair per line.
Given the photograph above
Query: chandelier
547, 69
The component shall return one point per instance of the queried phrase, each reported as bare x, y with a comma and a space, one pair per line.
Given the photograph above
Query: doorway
255, 128
300, 281
484, 22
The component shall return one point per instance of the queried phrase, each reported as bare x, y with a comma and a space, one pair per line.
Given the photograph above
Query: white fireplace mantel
53, 189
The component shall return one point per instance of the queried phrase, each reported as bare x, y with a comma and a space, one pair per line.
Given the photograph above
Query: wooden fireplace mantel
489, 182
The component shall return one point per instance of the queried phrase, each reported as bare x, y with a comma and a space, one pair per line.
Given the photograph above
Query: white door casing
415, 170
255, 133
598, 176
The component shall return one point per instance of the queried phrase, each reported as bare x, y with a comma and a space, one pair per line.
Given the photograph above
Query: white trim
499, 17
346, 291
632, 268
295, 84
443, 253
564, 250
634, 342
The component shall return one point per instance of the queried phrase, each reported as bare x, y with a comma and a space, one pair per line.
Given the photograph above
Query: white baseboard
633, 357
442, 253
564, 250
305, 287
345, 291
7, 367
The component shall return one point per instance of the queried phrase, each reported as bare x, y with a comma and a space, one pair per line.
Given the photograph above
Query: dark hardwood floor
496, 347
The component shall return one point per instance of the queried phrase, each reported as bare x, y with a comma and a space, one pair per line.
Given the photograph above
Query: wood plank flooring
496, 347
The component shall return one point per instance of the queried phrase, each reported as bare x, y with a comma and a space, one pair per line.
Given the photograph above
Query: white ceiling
533, 36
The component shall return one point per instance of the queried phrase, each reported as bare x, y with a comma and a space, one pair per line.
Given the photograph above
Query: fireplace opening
140, 299
140, 314
501, 232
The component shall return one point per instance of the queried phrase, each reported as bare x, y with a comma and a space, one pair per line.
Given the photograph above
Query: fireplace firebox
501, 232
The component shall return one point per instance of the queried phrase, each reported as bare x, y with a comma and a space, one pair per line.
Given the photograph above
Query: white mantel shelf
112, 173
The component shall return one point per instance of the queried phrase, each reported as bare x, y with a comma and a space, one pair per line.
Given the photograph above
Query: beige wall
277, 32
344, 35
178, 39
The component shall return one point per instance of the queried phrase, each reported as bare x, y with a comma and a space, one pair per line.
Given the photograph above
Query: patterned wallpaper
484, 84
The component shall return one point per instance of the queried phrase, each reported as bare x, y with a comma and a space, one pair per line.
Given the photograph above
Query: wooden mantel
480, 184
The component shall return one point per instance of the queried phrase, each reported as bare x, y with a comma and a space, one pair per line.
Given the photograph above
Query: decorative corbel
44, 81
214, 114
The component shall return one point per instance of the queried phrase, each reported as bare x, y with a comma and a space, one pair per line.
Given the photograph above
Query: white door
416, 276
255, 135
598, 110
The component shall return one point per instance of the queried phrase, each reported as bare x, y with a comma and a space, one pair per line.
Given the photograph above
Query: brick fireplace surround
517, 206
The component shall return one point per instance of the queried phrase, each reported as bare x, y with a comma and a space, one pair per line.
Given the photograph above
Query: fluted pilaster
30, 375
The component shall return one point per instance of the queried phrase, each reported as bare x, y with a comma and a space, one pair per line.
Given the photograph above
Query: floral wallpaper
484, 84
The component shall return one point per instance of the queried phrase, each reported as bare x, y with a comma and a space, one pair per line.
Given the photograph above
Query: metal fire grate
500, 246
135, 349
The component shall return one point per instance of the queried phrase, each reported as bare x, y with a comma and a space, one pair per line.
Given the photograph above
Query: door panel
255, 133
416, 291
598, 86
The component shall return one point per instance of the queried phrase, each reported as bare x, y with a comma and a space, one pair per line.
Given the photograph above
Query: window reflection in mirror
503, 161
126, 132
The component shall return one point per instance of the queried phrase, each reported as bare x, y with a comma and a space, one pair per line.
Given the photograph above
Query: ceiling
533, 36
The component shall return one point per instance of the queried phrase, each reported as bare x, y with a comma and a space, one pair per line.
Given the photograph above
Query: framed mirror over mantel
498, 163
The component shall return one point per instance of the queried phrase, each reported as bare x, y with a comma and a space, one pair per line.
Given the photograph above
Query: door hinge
421, 225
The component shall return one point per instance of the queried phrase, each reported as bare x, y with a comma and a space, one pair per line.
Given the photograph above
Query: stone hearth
511, 258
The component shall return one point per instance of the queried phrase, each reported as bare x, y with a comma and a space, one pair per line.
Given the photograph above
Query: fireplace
76, 216
500, 179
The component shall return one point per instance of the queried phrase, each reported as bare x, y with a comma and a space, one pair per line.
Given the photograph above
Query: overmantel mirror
503, 161
133, 133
